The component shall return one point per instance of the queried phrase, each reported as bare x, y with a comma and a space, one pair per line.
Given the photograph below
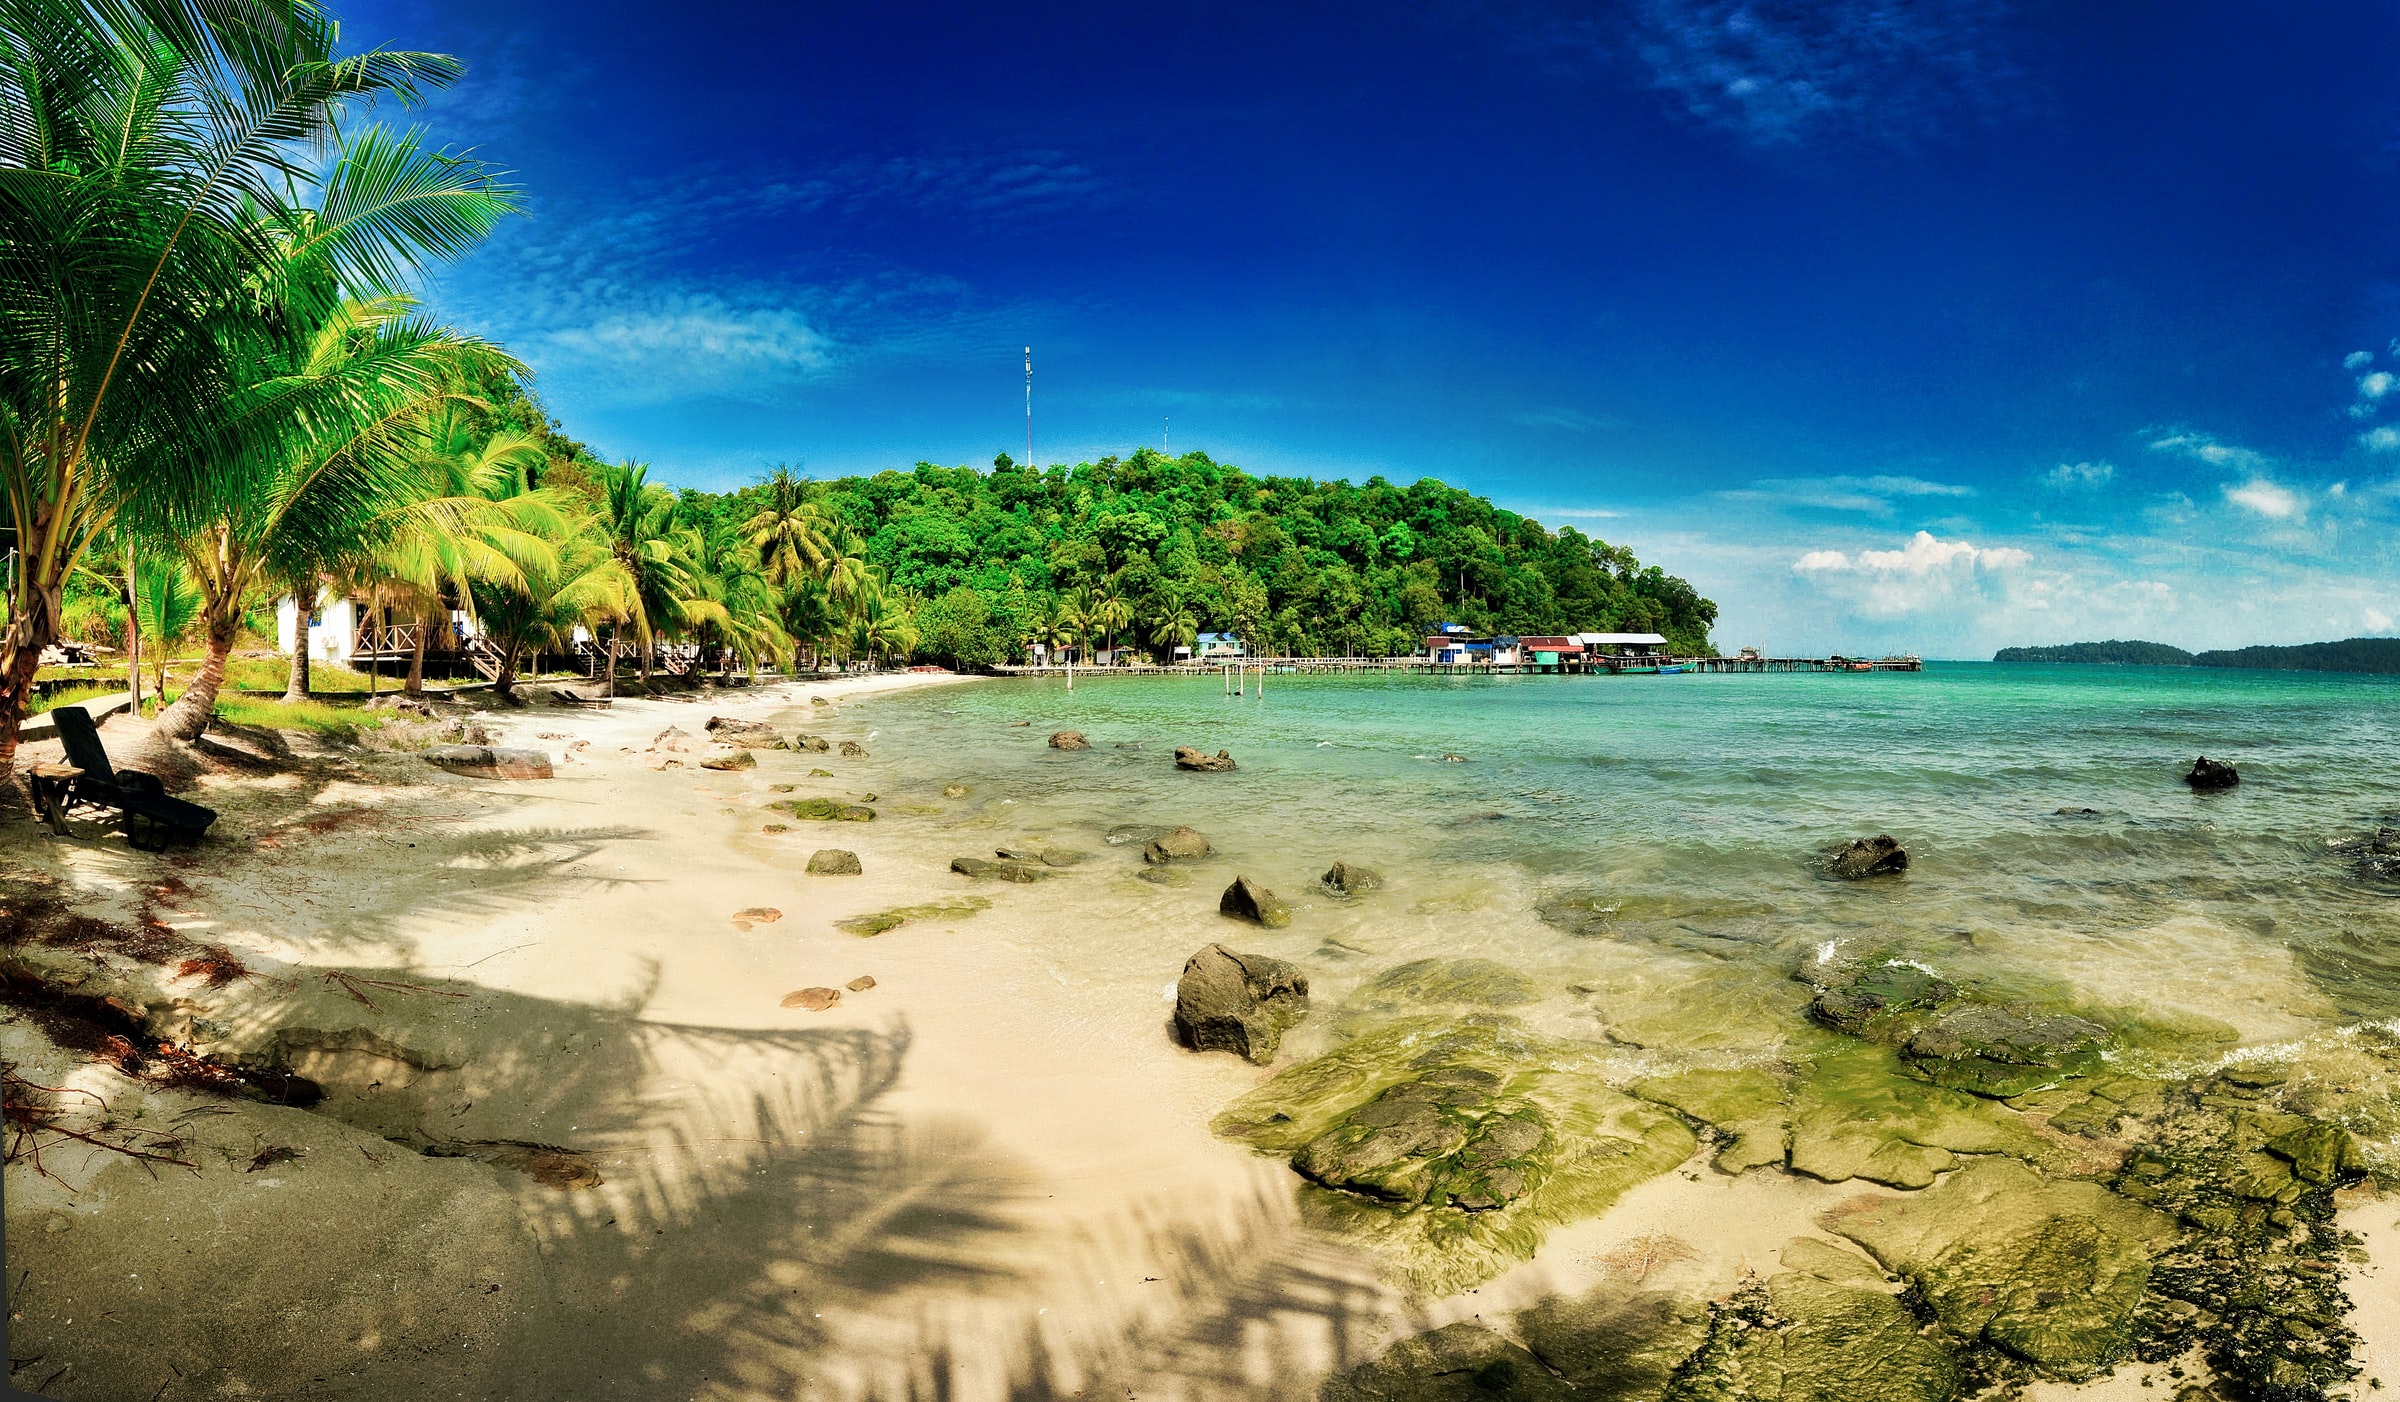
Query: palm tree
1051, 629
806, 612
166, 604
1174, 627
482, 526
658, 551
1111, 614
149, 156
791, 537
353, 480
581, 582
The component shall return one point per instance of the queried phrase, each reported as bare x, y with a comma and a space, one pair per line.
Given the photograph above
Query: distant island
2377, 655
2123, 652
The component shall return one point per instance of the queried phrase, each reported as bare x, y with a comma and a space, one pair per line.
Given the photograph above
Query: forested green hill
2380, 655
2114, 650
1289, 564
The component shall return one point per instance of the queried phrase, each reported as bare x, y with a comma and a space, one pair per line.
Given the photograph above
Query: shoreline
992, 1171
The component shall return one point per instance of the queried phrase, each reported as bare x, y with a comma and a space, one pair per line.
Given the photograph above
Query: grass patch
341, 723
71, 696
275, 673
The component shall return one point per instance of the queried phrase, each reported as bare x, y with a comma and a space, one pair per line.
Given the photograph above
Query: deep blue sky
1938, 325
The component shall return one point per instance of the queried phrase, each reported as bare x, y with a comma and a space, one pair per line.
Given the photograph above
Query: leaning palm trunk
192, 711
39, 599
504, 685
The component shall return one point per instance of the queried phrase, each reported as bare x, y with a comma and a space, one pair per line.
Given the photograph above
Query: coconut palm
328, 497
1052, 629
807, 614
1112, 615
790, 537
486, 527
659, 552
580, 583
1174, 627
147, 158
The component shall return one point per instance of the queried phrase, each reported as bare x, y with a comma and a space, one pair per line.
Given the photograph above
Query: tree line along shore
220, 391
2380, 656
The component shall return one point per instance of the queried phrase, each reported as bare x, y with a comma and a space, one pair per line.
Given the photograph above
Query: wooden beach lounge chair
151, 816
569, 696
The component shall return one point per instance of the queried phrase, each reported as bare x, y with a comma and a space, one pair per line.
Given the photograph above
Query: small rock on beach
490, 761
833, 861
1176, 845
1200, 761
815, 1000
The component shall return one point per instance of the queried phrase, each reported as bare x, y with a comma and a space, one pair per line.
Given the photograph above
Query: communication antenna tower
1029, 406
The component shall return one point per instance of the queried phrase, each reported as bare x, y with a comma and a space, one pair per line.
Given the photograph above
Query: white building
332, 629
1620, 642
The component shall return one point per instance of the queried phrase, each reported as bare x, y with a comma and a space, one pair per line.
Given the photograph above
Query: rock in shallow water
748, 734
824, 810
1343, 879
1247, 900
1881, 855
2208, 774
737, 759
1069, 740
1176, 845
1239, 1003
1201, 761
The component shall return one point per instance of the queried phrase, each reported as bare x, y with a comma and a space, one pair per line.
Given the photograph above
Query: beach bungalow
1218, 647
332, 628
1449, 649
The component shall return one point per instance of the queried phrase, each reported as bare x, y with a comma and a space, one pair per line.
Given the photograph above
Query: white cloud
2373, 388
2080, 476
1923, 554
2378, 621
2266, 499
2358, 360
2380, 440
2203, 447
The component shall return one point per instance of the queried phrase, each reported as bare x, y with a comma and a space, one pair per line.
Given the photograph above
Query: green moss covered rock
1453, 1148
825, 810
1456, 1363
2049, 1271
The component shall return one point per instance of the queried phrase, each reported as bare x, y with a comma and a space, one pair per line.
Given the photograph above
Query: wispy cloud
2373, 388
1573, 420
2204, 447
1874, 496
2080, 476
2383, 439
989, 183
2358, 360
1782, 74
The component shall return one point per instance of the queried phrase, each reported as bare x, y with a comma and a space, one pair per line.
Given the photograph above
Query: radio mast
1029, 406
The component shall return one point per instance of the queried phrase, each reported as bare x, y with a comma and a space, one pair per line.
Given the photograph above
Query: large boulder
490, 761
2207, 774
833, 861
747, 734
1247, 900
1200, 760
1881, 855
1239, 1003
1347, 880
1177, 845
1022, 873
1069, 740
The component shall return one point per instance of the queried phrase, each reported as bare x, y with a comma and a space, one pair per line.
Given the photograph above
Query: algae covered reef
2047, 1189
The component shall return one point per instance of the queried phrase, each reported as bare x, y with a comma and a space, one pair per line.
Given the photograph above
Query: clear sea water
1654, 842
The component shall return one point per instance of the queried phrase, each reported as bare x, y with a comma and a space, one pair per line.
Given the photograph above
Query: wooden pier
1633, 665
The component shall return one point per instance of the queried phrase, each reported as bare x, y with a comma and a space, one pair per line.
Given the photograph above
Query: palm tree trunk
416, 658
504, 685
649, 656
297, 688
36, 603
375, 665
189, 716
133, 633
608, 684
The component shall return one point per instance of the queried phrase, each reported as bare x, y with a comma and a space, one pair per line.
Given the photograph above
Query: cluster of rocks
490, 761
817, 1000
1200, 761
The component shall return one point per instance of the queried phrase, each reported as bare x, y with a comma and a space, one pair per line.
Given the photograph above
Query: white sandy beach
989, 1175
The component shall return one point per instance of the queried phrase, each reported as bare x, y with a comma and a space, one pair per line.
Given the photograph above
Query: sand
986, 1175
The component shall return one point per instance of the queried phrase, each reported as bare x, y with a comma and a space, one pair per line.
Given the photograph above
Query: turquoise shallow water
1681, 818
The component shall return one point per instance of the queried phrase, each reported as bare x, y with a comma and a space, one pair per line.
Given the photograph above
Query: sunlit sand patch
2188, 966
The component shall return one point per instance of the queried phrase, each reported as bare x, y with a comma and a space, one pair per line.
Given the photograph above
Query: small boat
1671, 671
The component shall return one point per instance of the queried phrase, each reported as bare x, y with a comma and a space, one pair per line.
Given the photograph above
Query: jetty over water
1643, 664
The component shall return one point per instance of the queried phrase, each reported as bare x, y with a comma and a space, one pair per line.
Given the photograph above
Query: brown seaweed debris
31, 1110
217, 965
110, 1031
